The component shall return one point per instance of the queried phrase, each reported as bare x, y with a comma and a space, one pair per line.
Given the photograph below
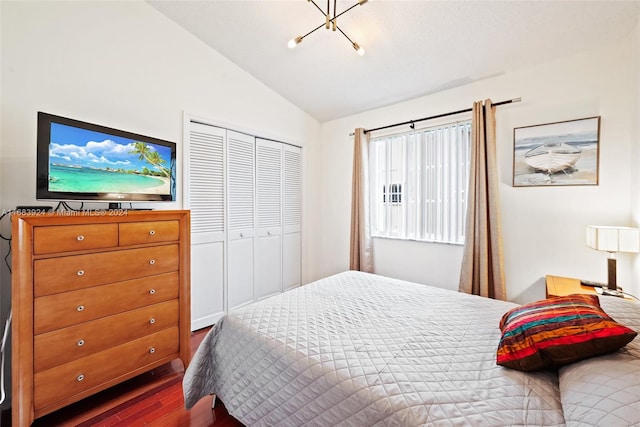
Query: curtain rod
466, 110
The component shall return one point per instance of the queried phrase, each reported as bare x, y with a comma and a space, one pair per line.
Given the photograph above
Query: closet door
291, 215
240, 218
204, 196
268, 237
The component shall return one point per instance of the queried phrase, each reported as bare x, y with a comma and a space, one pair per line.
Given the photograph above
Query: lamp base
611, 273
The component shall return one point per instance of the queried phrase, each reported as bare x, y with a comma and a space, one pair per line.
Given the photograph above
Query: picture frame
557, 154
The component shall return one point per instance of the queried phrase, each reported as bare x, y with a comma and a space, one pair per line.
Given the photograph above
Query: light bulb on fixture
358, 49
294, 42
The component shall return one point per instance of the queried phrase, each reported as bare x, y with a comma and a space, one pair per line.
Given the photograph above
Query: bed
358, 349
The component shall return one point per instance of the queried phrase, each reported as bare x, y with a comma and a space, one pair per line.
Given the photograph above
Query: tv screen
88, 162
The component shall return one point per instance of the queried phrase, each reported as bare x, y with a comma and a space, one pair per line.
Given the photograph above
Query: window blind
419, 183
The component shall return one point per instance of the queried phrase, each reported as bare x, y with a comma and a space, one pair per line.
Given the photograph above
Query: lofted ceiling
413, 48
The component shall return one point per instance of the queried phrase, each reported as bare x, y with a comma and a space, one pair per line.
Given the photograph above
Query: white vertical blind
420, 182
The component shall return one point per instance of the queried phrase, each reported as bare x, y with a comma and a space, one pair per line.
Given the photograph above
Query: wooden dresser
97, 298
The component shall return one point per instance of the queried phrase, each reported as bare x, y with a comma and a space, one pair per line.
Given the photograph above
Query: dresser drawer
72, 343
63, 238
66, 380
135, 233
65, 309
63, 274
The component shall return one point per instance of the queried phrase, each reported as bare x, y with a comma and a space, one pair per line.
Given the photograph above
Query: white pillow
605, 390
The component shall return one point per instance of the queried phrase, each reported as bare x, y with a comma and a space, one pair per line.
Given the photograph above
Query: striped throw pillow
557, 331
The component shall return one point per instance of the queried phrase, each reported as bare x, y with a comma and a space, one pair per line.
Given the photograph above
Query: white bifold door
291, 215
268, 254
278, 219
246, 208
204, 191
241, 218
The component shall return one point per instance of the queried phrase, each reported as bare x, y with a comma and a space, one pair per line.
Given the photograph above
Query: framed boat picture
554, 154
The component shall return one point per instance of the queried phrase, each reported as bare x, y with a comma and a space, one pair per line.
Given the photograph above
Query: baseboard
206, 321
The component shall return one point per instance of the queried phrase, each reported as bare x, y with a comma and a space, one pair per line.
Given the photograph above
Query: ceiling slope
413, 48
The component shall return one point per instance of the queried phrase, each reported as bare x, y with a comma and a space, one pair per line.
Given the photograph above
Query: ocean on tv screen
87, 161
77, 179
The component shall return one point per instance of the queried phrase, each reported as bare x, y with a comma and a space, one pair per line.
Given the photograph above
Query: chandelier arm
355, 45
334, 12
318, 7
345, 11
315, 29
327, 17
343, 33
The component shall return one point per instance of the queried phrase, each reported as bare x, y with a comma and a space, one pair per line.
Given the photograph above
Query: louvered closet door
240, 218
268, 240
291, 215
204, 196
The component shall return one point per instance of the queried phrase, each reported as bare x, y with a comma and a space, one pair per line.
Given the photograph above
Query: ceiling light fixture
330, 23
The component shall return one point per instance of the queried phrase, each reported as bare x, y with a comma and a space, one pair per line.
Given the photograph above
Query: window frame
422, 152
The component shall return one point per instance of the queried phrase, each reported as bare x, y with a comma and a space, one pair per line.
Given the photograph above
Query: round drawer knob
80, 377
152, 350
80, 308
152, 261
80, 273
152, 291
241, 234
152, 321
152, 232
80, 343
80, 238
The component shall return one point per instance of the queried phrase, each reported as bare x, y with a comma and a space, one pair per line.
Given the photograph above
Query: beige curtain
482, 270
361, 248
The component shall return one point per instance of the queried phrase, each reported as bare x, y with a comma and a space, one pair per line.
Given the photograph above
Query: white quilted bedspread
357, 349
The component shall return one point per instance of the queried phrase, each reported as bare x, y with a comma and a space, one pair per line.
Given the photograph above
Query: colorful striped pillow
557, 331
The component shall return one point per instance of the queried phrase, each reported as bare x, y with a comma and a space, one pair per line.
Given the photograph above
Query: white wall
125, 65
543, 228
4, 303
635, 136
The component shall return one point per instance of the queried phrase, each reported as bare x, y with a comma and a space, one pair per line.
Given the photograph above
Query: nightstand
560, 286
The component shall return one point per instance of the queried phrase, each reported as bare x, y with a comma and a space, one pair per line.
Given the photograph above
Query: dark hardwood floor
151, 399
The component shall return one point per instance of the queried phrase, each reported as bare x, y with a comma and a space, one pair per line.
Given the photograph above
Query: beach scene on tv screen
85, 161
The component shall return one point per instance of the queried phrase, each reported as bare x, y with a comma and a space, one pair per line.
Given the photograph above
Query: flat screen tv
88, 162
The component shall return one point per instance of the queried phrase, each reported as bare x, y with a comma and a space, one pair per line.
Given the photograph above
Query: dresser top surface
95, 216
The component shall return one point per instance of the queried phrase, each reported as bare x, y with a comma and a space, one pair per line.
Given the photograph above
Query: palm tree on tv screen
150, 156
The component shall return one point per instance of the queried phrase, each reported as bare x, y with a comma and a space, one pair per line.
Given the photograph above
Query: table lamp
612, 240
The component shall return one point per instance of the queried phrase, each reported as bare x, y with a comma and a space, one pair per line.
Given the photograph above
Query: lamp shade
613, 239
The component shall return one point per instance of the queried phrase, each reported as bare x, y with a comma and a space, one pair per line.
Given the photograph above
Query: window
419, 183
395, 193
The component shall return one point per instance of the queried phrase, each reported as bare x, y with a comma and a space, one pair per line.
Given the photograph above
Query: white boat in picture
552, 157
